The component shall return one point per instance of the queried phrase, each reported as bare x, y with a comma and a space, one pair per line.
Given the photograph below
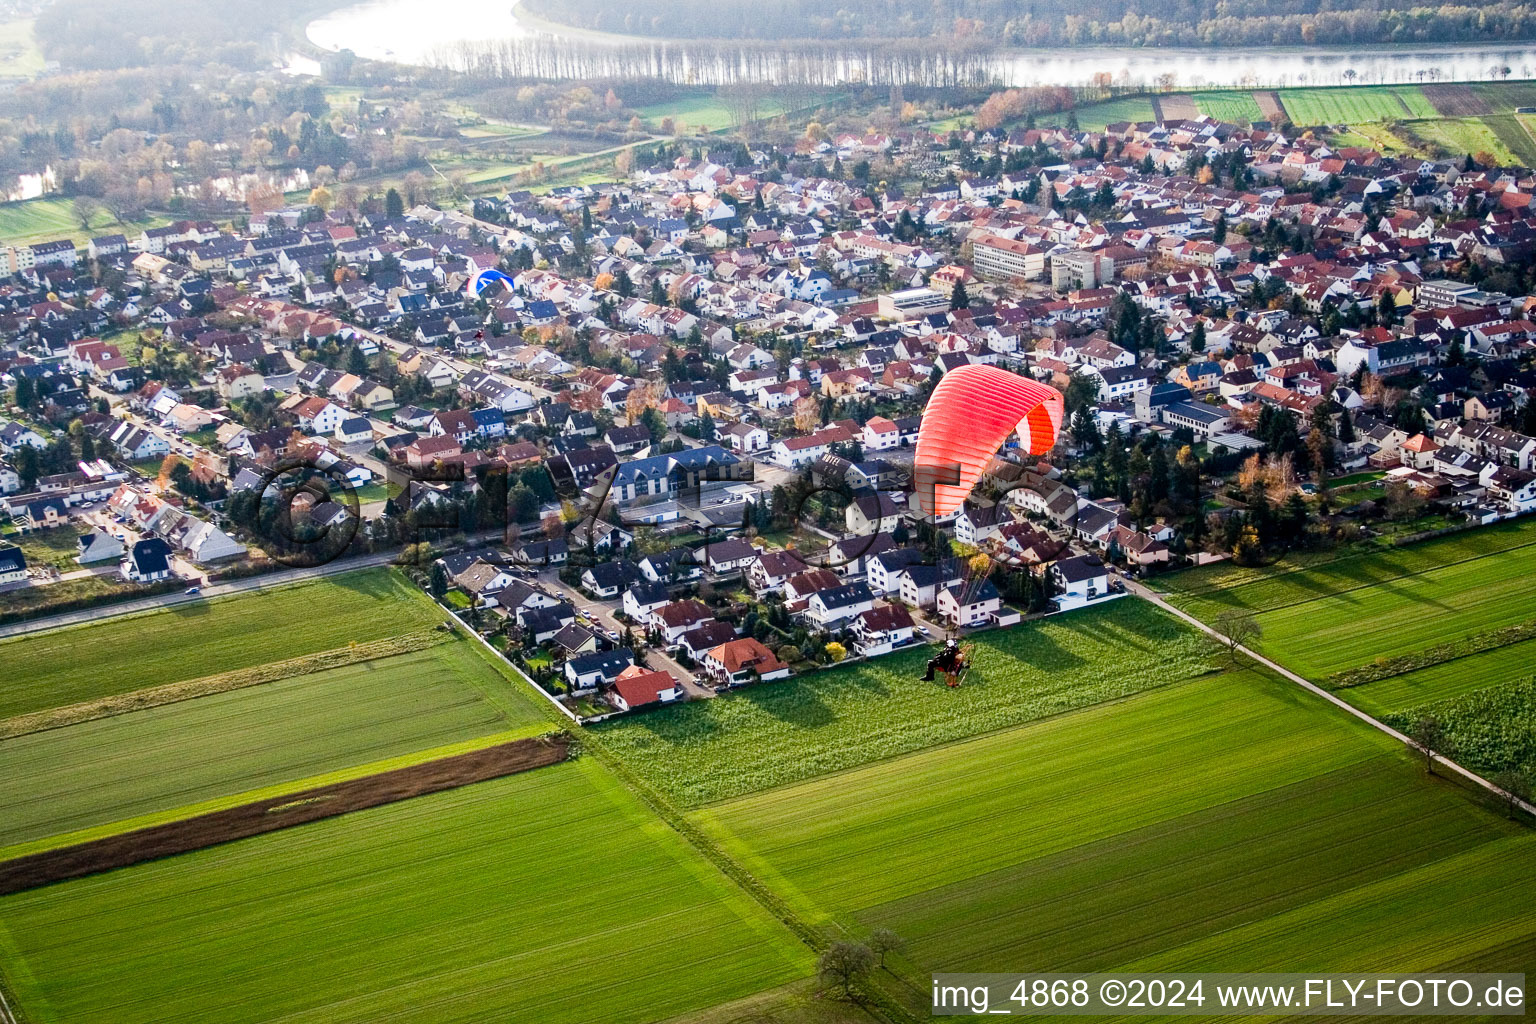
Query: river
422, 31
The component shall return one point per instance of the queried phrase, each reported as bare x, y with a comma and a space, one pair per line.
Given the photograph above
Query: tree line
1053, 22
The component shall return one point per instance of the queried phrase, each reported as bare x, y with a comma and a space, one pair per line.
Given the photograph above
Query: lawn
794, 729
1355, 105
550, 896
1232, 107
42, 220
1323, 615
1230, 823
81, 663
143, 762
56, 547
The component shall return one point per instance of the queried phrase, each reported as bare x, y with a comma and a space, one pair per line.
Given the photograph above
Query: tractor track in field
279, 812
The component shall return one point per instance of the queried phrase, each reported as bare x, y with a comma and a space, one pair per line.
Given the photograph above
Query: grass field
697, 111
1357, 104
1322, 615
1233, 107
56, 547
551, 896
139, 763
1514, 132
42, 220
1226, 823
794, 729
19, 55
81, 663
1094, 116
1459, 135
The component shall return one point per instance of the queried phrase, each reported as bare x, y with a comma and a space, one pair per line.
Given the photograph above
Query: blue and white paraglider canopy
486, 278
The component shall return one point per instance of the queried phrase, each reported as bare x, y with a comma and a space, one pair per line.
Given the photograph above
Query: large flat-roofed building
999, 257
912, 302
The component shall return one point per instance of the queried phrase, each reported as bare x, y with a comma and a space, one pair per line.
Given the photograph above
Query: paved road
604, 615
1311, 687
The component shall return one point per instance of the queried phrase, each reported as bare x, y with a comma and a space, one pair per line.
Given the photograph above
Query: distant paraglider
485, 278
971, 413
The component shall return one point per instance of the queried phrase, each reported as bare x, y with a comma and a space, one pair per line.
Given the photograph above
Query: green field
1233, 107
189, 641
19, 55
1513, 132
551, 896
1357, 104
700, 110
43, 220
1436, 625
1491, 730
56, 547
1094, 116
794, 729
1230, 823
111, 769
1322, 615
1459, 135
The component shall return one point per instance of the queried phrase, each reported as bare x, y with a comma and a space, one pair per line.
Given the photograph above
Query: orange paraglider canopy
973, 410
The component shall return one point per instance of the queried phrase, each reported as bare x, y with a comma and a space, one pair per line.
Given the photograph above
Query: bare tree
1237, 630
1429, 736
844, 964
883, 941
85, 209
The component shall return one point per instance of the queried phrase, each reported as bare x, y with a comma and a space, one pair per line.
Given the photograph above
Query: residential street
550, 577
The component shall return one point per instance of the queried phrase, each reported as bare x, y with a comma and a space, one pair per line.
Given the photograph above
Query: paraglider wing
971, 413
486, 278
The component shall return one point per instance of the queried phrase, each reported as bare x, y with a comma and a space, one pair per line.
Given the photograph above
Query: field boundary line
1313, 688
222, 682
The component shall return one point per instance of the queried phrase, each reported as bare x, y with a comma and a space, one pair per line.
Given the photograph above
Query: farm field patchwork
1223, 823
111, 769
1323, 613
1436, 629
81, 663
551, 896
797, 728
